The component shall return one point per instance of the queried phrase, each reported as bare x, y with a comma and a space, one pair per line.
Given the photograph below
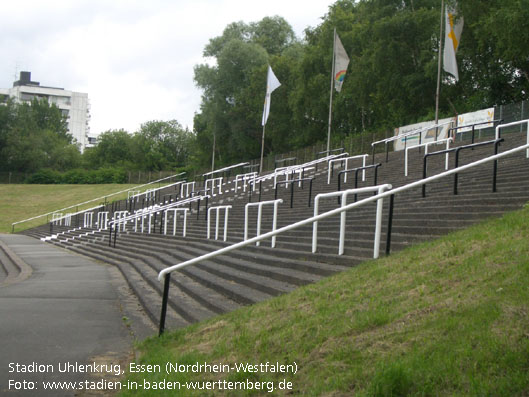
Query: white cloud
134, 58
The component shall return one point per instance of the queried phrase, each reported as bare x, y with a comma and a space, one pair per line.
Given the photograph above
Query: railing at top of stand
96, 199
155, 190
229, 168
285, 160
340, 149
405, 136
165, 274
473, 127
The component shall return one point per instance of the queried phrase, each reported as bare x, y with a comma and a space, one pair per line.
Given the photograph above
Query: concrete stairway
253, 274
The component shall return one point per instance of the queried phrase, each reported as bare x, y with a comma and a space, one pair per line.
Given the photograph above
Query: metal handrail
244, 178
292, 182
330, 171
226, 209
405, 136
165, 274
454, 129
260, 205
494, 142
447, 140
343, 195
225, 169
499, 127
175, 212
215, 183
89, 201
356, 170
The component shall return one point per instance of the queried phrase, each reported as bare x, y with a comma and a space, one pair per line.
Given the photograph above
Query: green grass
19, 202
445, 318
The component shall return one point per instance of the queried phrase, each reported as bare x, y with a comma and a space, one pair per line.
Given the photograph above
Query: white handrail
149, 192
413, 132
225, 169
447, 140
215, 183
102, 218
244, 178
344, 194
526, 121
88, 219
59, 216
175, 213
98, 198
226, 209
120, 218
346, 159
337, 211
187, 187
259, 213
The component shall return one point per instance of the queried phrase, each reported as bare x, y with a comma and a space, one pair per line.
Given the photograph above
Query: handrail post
390, 224
274, 223
115, 234
259, 217
424, 175
226, 212
217, 223
387, 152
310, 191
378, 224
495, 167
164, 303
456, 166
292, 193
341, 242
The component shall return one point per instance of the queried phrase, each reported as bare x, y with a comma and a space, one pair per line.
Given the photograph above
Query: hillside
447, 317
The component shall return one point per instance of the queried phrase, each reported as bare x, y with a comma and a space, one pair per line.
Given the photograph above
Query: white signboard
425, 133
485, 116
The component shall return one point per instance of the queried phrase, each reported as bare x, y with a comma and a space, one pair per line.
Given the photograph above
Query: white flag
452, 36
271, 84
341, 60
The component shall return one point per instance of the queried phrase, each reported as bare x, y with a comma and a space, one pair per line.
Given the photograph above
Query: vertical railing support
390, 224
167, 281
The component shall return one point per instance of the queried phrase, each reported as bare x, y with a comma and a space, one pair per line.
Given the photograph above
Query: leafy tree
162, 145
34, 135
231, 108
114, 148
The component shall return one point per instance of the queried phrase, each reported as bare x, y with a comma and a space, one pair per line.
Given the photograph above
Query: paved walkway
67, 311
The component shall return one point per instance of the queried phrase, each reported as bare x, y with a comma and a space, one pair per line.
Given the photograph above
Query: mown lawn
445, 318
19, 202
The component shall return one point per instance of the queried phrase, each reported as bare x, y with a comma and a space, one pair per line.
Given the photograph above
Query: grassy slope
19, 202
450, 317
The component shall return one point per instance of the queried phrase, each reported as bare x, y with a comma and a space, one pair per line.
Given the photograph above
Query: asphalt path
63, 323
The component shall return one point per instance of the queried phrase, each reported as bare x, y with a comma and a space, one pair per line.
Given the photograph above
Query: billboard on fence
426, 134
481, 116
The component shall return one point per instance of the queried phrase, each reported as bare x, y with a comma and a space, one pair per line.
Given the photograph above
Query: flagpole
330, 101
262, 150
439, 66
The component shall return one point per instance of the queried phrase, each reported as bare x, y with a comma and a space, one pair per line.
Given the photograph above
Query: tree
162, 145
34, 136
231, 110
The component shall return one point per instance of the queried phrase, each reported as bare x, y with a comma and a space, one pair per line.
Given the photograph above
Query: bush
45, 176
79, 176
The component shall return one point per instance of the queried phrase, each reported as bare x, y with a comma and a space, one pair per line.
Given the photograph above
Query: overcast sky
134, 58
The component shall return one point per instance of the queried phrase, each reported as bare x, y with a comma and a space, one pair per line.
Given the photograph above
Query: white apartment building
74, 105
